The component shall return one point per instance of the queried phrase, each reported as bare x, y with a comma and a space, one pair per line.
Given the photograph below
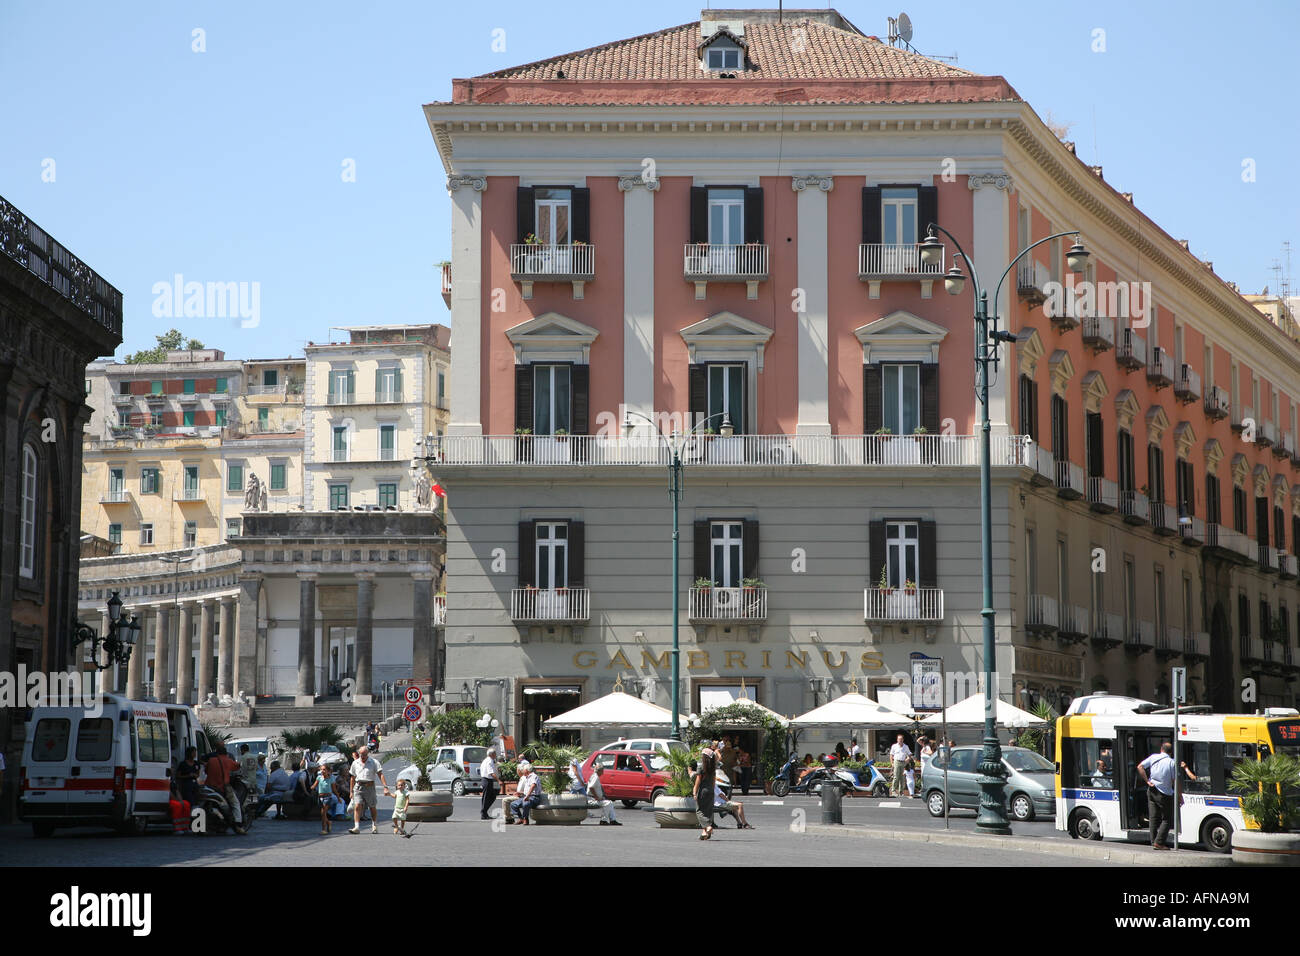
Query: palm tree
679, 770
1268, 789
421, 752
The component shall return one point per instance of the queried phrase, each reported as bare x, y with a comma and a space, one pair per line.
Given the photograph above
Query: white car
645, 743
468, 757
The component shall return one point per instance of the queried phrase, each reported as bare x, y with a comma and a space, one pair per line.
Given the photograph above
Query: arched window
27, 515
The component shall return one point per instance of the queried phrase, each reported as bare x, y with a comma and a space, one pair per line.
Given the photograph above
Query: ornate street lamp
117, 643
675, 444
992, 813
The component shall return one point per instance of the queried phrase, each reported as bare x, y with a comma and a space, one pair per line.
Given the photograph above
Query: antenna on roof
900, 31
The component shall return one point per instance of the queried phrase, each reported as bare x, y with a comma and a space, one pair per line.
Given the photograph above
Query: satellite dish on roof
905, 28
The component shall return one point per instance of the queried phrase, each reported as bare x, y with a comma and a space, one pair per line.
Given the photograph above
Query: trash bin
832, 803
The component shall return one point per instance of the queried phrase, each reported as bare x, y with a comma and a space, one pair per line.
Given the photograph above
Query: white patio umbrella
615, 709
971, 713
851, 711
746, 702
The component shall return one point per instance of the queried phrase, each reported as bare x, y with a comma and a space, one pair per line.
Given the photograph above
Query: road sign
413, 713
414, 695
1178, 686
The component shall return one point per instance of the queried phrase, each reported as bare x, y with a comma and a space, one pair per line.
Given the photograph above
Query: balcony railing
35, 250
1287, 565
446, 279
1160, 368
340, 454
440, 610
1266, 434
1131, 352
1043, 463
1135, 507
1031, 280
1252, 649
1240, 414
1268, 560
125, 399
1103, 495
1076, 622
1216, 402
883, 260
1188, 386
596, 451
1192, 529
1164, 518
115, 496
1140, 636
559, 604
1070, 480
558, 262
1285, 447
1169, 642
1196, 644
1042, 613
1099, 333
388, 396
728, 604
155, 398
341, 398
256, 390
1232, 541
704, 262
1108, 629
903, 604
189, 494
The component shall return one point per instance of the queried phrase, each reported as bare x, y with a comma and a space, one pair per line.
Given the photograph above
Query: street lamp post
675, 492
992, 813
117, 642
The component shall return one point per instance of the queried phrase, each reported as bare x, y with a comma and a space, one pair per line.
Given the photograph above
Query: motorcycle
866, 780
792, 779
216, 812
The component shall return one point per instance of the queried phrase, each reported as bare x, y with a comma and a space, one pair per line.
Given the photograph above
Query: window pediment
1281, 490
1029, 349
901, 337
1261, 476
726, 332
1184, 439
1240, 469
1126, 408
552, 336
1094, 391
1157, 424
1213, 455
1062, 370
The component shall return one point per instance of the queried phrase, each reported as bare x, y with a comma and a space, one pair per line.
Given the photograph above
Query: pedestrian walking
528, 794
324, 793
399, 808
1157, 772
491, 777
702, 791
364, 770
596, 792
899, 754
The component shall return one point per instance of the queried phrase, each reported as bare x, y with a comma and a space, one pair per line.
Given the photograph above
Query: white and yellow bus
1101, 741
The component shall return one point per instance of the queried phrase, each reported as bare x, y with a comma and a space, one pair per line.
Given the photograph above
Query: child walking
401, 798
324, 790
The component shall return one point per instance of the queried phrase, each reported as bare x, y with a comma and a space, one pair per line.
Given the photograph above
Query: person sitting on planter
733, 807
596, 793
576, 783
529, 794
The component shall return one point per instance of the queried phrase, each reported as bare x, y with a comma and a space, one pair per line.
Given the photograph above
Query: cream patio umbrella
615, 709
970, 712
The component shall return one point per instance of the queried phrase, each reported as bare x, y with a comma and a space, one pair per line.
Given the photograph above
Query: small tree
421, 752
1268, 789
1036, 738
460, 727
313, 738
679, 769
170, 341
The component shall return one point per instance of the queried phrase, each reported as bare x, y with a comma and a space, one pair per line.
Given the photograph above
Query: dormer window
723, 57
722, 50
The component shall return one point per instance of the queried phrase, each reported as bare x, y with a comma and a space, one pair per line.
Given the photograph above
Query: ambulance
109, 768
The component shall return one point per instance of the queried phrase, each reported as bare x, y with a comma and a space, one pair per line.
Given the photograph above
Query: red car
630, 776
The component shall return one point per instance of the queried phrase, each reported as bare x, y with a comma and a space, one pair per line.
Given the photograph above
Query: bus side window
1197, 758
1234, 754
1089, 764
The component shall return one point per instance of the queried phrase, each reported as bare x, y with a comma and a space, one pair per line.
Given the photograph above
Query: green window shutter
189, 386
263, 416
189, 419
234, 477
397, 380
221, 417
155, 388
352, 382
221, 386
379, 382
277, 477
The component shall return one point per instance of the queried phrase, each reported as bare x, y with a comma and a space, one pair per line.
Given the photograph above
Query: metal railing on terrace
550, 604
705, 261
728, 604
894, 260
903, 604
535, 261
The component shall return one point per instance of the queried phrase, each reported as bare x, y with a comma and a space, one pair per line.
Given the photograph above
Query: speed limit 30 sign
414, 695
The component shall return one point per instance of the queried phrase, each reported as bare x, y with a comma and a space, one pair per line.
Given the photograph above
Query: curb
1075, 849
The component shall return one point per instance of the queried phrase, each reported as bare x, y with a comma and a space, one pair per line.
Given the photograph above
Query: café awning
971, 713
851, 711
614, 710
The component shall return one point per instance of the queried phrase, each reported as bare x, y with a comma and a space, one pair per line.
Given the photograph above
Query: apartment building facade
715, 226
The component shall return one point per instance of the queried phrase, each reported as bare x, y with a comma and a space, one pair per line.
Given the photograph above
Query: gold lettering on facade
663, 660
697, 659
872, 661
588, 656
731, 659
767, 658
619, 658
844, 659
792, 658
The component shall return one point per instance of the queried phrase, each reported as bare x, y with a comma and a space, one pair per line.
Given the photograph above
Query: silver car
1030, 787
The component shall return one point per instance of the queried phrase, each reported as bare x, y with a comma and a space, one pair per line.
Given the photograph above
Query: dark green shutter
523, 396
927, 209
871, 214
749, 547
873, 415
875, 551
580, 221
525, 212
699, 214
930, 398
698, 382
703, 566
928, 555
577, 554
754, 214
580, 399
527, 553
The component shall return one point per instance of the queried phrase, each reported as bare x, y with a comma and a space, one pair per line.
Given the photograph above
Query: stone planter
429, 806
1265, 849
561, 809
676, 813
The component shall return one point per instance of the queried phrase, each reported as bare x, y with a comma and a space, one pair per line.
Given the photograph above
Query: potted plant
676, 808
426, 804
1268, 799
561, 434
883, 583
559, 807
909, 586
523, 444
704, 584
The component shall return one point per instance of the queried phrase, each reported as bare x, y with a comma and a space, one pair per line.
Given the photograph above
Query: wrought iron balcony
1103, 495
1107, 630
341, 398
1266, 434
1160, 368
119, 399
704, 263
728, 604
1169, 642
1187, 388
1231, 543
1042, 615
1164, 518
1268, 559
1191, 529
1196, 645
1043, 463
115, 496
1076, 623
1252, 649
884, 260
1131, 352
1070, 480
1031, 287
1139, 636
1216, 402
1099, 333
1240, 415
555, 604
903, 604
1287, 566
1135, 507
568, 262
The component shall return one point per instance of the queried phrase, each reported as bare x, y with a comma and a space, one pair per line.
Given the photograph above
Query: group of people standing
709, 798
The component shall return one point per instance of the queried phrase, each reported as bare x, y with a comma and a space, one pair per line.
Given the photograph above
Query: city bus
1100, 742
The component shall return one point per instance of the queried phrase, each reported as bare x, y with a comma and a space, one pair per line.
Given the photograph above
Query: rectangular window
191, 534
1062, 572
388, 495
146, 534
724, 58
50, 740
155, 388
191, 481
554, 209
900, 398
1184, 487
270, 377
727, 397
221, 386
551, 399
123, 418
1243, 615
1160, 601
1188, 619
1031, 561
341, 390
187, 419
155, 418
387, 442
115, 534
277, 476
386, 385
726, 550
726, 218
95, 739
221, 418
898, 210
1130, 593
116, 483
153, 742
1060, 429
338, 497
1239, 510
124, 388
552, 554
189, 386
1127, 481
232, 528
1098, 597
149, 481
442, 389
340, 447
1096, 445
234, 477
1156, 473
263, 419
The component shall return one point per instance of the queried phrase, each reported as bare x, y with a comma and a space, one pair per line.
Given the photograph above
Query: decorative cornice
628, 183
824, 183
996, 180
476, 183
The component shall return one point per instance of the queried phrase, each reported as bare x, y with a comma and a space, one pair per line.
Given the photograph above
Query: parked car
457, 767
257, 746
630, 776
645, 743
1030, 787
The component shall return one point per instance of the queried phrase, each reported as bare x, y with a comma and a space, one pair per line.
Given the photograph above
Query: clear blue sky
225, 165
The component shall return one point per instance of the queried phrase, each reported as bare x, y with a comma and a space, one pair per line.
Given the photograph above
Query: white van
111, 770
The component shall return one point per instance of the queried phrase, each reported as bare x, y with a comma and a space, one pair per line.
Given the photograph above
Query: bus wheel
42, 830
1084, 826
1216, 835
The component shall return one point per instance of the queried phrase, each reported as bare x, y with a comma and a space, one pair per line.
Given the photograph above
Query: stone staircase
280, 712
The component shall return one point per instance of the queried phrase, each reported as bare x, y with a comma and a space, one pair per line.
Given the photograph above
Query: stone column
422, 653
638, 293
161, 652
104, 678
135, 666
206, 618
226, 649
466, 302
813, 336
246, 644
992, 234
185, 654
365, 638
306, 640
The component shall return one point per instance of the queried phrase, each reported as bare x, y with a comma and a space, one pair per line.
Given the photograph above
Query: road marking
773, 803
889, 803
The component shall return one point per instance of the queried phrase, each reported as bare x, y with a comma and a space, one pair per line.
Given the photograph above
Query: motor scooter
216, 812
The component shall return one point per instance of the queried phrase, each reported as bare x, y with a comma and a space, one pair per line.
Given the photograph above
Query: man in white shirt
1157, 771
596, 793
855, 752
528, 794
365, 769
491, 782
900, 753
278, 786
